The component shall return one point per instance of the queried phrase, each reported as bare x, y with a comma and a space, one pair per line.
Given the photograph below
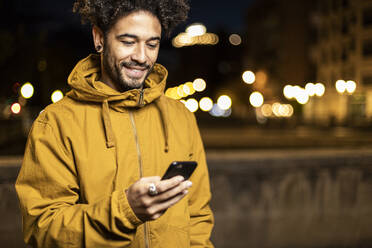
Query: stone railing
278, 198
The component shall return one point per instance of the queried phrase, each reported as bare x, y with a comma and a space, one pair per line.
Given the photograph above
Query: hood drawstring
164, 119
110, 139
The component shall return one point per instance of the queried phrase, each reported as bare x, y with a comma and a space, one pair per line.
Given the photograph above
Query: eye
127, 43
153, 45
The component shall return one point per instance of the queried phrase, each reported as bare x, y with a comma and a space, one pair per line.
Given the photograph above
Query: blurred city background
282, 90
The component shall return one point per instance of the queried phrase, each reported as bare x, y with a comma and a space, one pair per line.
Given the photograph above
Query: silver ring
152, 189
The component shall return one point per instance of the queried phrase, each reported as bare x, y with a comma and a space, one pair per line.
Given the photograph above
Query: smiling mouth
134, 72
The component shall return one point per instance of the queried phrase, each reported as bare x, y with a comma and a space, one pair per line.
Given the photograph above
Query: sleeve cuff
126, 211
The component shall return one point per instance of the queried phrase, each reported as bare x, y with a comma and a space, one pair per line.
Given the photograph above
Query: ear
98, 38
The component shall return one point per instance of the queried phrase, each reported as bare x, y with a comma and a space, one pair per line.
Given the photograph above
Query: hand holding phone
180, 168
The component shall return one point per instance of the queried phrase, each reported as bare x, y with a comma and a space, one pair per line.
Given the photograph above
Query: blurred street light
27, 90
350, 86
249, 77
341, 86
282, 110
224, 102
196, 29
206, 104
56, 96
256, 99
192, 105
235, 39
310, 89
199, 84
301, 96
319, 89
289, 92
267, 110
16, 108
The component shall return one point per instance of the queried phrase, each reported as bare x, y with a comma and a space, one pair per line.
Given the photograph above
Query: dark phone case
182, 168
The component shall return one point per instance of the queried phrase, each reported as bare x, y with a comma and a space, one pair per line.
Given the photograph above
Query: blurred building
343, 51
278, 37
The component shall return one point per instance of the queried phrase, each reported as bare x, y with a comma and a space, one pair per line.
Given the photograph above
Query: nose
139, 54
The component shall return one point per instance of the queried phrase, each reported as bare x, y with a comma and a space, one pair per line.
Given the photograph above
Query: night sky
228, 15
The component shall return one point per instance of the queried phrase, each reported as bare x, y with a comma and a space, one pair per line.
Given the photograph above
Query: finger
173, 192
150, 179
142, 185
165, 185
163, 206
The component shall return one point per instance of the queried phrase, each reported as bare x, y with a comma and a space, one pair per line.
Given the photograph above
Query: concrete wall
268, 198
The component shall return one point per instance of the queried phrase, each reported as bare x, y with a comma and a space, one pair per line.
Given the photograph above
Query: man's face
130, 50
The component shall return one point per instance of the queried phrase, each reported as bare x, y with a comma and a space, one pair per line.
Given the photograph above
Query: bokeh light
224, 102
199, 84
340, 86
310, 89
196, 29
249, 77
56, 96
192, 105
256, 99
350, 86
27, 90
206, 104
301, 96
235, 39
289, 92
16, 108
267, 110
319, 89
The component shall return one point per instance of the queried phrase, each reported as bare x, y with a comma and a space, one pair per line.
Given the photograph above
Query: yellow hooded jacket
84, 151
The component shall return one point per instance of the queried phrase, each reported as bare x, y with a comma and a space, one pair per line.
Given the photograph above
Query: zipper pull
140, 101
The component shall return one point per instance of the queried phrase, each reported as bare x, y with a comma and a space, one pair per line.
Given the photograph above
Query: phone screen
180, 168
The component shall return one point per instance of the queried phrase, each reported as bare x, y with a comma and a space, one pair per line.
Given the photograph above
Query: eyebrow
121, 36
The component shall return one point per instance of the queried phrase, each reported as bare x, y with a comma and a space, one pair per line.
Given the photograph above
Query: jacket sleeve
201, 216
48, 191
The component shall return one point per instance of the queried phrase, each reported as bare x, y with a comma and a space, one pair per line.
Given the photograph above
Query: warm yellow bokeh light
285, 110
289, 92
172, 93
185, 88
16, 108
206, 104
192, 105
180, 92
301, 96
256, 99
56, 96
319, 89
224, 102
341, 86
190, 85
266, 110
235, 39
196, 29
249, 77
310, 89
276, 109
350, 86
27, 90
199, 84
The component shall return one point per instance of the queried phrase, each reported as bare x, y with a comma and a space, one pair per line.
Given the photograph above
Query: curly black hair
104, 13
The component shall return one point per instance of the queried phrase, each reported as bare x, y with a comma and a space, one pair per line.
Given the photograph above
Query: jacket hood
85, 84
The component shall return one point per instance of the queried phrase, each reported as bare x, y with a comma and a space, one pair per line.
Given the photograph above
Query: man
91, 171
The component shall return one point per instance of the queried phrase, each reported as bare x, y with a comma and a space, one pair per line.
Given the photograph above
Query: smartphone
180, 168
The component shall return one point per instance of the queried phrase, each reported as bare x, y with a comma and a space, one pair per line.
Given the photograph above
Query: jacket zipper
140, 101
140, 167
